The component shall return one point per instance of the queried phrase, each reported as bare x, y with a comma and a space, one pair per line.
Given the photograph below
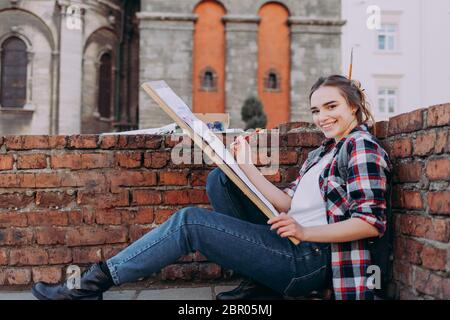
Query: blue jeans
236, 236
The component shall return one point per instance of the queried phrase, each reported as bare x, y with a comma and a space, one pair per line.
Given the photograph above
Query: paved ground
189, 293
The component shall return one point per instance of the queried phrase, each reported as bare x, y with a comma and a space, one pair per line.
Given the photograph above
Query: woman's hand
286, 226
242, 151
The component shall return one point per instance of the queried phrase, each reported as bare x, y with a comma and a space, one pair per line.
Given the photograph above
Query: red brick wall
78, 199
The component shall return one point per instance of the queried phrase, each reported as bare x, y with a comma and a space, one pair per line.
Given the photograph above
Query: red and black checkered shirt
353, 185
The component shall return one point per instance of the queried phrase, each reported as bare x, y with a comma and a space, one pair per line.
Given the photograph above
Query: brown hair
352, 92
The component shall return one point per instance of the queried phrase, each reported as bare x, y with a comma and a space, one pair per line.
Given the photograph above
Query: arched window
208, 80
272, 81
13, 73
105, 86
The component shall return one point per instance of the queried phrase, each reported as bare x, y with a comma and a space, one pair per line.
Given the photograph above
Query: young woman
336, 204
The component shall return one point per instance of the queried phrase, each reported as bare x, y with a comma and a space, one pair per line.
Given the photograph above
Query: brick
162, 215
115, 234
199, 177
304, 139
47, 218
50, 235
57, 142
179, 271
103, 200
75, 217
85, 235
141, 216
438, 115
438, 169
175, 178
13, 219
433, 258
61, 255
381, 129
438, 202
172, 140
410, 171
199, 257
408, 250
4, 256
146, 197
83, 141
110, 216
26, 180
46, 274
8, 181
176, 197
137, 231
156, 159
18, 236
427, 282
6, 162
406, 122
15, 200
412, 200
442, 142
131, 179
28, 256
32, 161
48, 180
139, 142
128, 159
90, 181
108, 142
28, 142
288, 157
66, 161
209, 271
112, 250
54, 200
401, 148
403, 272
425, 227
15, 276
87, 255
95, 160
424, 144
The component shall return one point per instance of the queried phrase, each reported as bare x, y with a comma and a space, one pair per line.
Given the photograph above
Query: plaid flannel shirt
353, 185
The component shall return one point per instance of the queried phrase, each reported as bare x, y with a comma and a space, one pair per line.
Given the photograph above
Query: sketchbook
208, 142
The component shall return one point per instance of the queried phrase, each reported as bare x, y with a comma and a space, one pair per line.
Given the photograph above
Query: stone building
68, 66
273, 49
71, 66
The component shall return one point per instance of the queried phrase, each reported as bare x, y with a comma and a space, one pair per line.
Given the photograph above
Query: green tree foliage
252, 114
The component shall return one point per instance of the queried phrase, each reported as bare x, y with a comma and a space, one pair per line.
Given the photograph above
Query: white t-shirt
308, 206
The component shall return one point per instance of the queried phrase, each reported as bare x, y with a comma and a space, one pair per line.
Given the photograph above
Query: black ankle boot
93, 283
250, 290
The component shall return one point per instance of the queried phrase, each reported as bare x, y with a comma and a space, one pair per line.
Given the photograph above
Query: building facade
216, 54
68, 66
399, 55
75, 66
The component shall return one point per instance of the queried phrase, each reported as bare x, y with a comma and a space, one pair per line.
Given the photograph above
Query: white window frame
387, 97
389, 35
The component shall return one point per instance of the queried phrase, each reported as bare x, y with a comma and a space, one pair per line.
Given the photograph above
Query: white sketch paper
174, 102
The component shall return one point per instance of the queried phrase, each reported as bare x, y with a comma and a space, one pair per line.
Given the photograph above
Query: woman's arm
279, 199
344, 231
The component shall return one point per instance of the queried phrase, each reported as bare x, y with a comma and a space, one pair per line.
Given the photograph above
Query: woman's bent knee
215, 180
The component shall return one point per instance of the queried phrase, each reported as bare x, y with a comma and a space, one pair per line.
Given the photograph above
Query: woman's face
331, 113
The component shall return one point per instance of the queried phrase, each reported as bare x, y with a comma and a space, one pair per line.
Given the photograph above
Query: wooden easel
211, 154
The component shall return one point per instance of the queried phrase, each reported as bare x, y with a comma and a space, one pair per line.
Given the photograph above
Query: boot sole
39, 296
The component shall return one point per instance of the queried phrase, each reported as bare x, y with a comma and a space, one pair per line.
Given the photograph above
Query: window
387, 37
271, 81
387, 101
13, 73
105, 86
208, 79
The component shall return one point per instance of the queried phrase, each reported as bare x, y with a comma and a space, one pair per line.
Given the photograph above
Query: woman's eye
315, 111
332, 106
